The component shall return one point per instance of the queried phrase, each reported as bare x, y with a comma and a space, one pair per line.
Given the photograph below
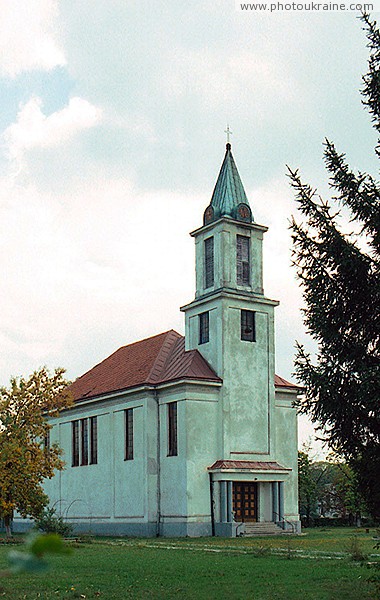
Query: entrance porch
245, 493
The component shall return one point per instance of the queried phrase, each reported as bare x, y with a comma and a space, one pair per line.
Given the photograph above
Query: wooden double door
244, 501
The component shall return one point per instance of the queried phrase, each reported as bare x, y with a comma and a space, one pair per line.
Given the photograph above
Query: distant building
191, 435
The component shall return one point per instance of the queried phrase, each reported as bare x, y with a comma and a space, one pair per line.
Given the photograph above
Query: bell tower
230, 321
229, 245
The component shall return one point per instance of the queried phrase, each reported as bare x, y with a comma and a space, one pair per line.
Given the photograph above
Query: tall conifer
340, 276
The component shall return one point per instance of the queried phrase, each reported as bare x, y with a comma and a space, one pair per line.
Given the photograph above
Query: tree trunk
7, 524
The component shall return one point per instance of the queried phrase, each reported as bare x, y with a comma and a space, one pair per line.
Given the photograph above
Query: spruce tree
339, 273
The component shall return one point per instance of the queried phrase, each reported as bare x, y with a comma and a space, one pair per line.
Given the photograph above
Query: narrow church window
248, 332
93, 440
242, 260
128, 453
204, 328
84, 441
47, 440
172, 429
75, 443
209, 262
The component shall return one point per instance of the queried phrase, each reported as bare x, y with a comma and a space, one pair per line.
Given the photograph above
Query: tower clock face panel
244, 212
209, 214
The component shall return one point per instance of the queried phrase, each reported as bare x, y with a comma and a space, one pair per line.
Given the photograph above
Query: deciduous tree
26, 457
307, 489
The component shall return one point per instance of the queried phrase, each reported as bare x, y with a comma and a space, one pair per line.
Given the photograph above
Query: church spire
229, 198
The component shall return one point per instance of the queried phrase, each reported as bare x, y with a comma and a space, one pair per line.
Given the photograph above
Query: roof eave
287, 389
191, 381
266, 471
146, 387
227, 219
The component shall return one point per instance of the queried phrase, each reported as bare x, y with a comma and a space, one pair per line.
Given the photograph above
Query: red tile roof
281, 382
155, 360
159, 359
251, 465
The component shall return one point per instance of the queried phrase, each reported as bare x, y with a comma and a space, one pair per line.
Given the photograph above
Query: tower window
172, 429
204, 328
209, 262
248, 332
242, 260
128, 455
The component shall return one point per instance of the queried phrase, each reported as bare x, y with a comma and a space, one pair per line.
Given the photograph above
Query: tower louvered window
248, 332
242, 260
204, 328
209, 262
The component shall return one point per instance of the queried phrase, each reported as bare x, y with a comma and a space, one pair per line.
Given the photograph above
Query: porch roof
247, 465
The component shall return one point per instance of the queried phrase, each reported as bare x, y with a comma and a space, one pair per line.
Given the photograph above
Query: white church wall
265, 502
202, 451
246, 369
211, 349
246, 394
152, 458
84, 492
286, 434
129, 475
114, 489
173, 468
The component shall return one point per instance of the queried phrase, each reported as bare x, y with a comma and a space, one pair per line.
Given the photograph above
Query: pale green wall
287, 448
119, 492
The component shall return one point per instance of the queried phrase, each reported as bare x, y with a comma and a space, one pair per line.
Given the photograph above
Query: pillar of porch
281, 500
226, 512
223, 501
230, 513
275, 502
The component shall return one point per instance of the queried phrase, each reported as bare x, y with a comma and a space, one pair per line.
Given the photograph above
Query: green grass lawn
312, 566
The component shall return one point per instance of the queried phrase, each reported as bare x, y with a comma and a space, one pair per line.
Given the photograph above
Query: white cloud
82, 279
28, 36
244, 78
33, 129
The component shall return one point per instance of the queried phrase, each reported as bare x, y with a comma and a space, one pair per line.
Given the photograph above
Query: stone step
252, 529
260, 525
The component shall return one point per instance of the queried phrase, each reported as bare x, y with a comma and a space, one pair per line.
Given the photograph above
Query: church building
193, 435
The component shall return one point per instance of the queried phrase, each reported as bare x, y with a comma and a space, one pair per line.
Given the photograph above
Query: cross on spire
228, 132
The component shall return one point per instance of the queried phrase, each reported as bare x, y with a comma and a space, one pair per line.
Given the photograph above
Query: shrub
335, 522
355, 549
50, 522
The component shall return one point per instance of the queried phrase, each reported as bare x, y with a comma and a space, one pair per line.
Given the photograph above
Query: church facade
191, 435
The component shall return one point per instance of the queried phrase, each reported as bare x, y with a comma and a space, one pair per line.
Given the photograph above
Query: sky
111, 139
